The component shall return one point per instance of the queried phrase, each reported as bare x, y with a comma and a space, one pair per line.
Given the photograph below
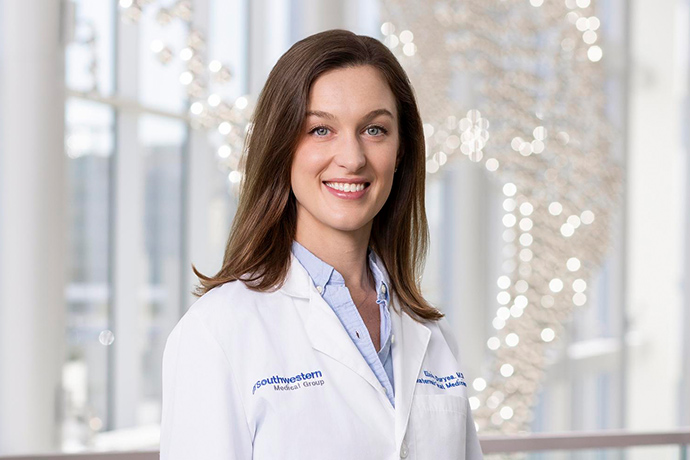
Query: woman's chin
347, 223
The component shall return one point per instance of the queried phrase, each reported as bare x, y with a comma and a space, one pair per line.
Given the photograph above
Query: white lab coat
223, 399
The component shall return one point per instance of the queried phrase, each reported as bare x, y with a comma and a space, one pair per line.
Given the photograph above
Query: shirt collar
319, 271
323, 274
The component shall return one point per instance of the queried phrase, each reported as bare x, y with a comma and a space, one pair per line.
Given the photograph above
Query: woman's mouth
348, 191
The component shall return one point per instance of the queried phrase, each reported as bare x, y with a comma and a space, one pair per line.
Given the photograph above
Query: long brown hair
260, 241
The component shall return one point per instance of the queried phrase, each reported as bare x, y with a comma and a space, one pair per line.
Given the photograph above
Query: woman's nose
351, 153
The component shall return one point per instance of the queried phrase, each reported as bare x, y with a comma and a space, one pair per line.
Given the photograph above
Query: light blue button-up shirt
331, 286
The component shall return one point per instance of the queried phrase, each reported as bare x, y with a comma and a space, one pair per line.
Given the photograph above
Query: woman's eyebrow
367, 117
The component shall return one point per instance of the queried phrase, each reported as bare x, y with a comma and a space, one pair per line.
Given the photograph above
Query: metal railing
533, 442
608, 439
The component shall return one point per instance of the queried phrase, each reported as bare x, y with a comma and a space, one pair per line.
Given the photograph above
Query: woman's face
342, 170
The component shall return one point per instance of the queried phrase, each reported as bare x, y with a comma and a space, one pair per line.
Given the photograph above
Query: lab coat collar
297, 283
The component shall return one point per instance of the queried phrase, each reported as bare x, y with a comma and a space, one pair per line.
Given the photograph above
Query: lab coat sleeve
202, 416
473, 450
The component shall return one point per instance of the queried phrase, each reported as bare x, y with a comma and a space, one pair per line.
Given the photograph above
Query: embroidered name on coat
445, 382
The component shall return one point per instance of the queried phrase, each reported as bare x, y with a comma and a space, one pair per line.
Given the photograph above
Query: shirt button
403, 450
320, 289
383, 289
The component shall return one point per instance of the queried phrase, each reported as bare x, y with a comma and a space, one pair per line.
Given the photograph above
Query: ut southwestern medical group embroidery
310, 379
452, 380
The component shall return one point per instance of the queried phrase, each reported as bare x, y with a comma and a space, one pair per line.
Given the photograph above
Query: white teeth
345, 187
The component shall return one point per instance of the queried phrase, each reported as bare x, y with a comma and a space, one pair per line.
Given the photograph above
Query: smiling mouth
347, 188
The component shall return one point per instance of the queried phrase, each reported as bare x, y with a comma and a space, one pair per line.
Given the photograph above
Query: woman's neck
344, 251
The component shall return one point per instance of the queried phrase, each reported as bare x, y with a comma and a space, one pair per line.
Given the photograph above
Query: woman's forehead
363, 87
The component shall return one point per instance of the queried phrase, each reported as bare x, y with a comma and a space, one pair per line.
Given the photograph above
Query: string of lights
534, 70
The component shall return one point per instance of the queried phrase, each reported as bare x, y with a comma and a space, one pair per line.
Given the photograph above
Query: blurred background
557, 195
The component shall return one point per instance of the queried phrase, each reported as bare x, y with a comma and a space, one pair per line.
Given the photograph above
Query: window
147, 199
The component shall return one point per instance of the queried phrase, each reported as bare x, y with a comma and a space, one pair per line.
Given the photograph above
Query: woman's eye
381, 130
320, 131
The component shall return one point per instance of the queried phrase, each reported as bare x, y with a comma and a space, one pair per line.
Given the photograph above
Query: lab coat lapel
409, 349
328, 336
325, 331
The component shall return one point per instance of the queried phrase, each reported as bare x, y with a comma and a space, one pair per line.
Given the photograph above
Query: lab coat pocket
438, 422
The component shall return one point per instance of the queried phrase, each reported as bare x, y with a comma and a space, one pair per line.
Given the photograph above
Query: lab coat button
392, 338
320, 289
403, 450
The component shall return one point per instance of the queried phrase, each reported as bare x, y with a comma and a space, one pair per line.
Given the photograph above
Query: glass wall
133, 161
89, 143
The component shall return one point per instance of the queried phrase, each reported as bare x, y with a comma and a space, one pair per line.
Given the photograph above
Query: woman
313, 340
